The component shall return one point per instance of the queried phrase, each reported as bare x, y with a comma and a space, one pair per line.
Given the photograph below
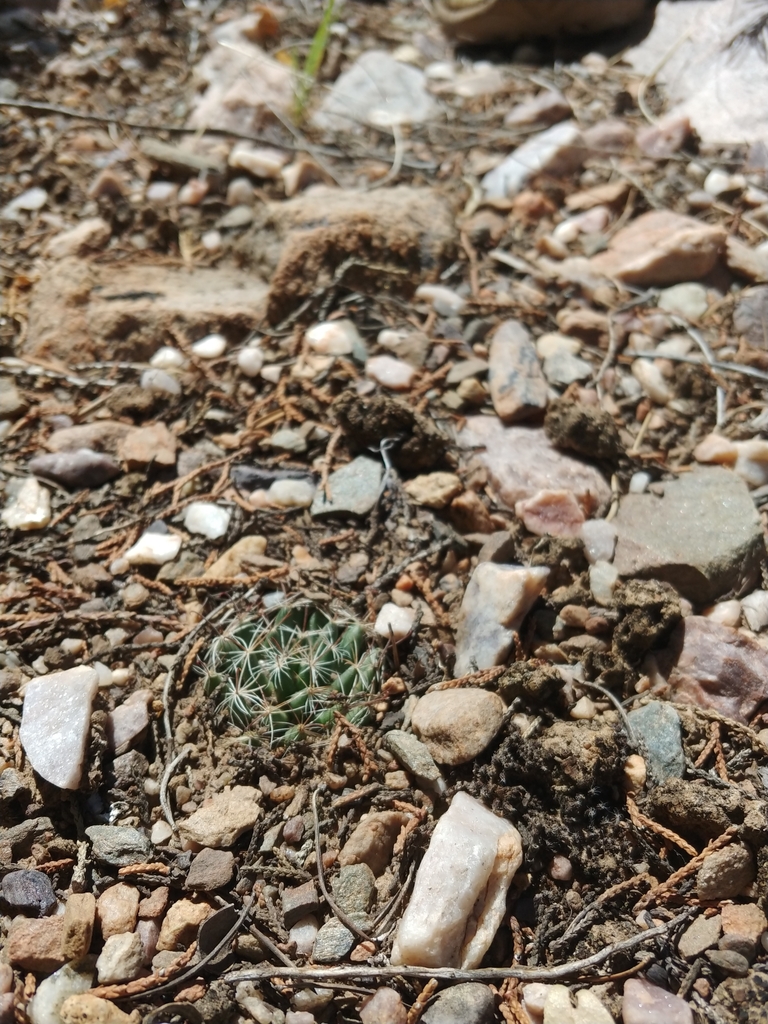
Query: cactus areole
283, 674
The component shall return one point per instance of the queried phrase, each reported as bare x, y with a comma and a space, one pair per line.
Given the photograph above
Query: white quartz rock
30, 509
333, 337
52, 991
497, 599
55, 722
154, 549
558, 1008
210, 347
207, 519
603, 579
599, 538
460, 893
395, 620
755, 609
168, 358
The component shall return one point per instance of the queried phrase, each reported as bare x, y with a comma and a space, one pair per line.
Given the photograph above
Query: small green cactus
285, 673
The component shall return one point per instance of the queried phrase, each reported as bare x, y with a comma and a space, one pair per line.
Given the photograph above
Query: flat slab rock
717, 667
703, 536
55, 723
521, 461
120, 312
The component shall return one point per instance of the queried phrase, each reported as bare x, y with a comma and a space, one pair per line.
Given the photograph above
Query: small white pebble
652, 381
168, 358
161, 833
212, 346
726, 613
271, 373
211, 240
154, 549
398, 620
333, 338
160, 381
391, 373
240, 192
443, 300
250, 361
638, 482
161, 191
72, 645
583, 709
207, 519
119, 567
292, 493
5, 428
120, 676
599, 537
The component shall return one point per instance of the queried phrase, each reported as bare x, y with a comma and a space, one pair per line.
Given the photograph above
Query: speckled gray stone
471, 1003
657, 726
119, 845
29, 892
352, 490
703, 536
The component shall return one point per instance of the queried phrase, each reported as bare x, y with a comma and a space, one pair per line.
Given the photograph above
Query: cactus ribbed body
285, 673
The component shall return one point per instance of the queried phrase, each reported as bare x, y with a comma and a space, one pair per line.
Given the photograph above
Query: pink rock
117, 909
521, 461
551, 513
745, 919
661, 141
661, 248
128, 722
609, 136
384, 1007
517, 384
644, 1003
717, 667
395, 374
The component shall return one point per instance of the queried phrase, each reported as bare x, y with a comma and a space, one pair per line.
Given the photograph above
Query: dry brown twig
420, 1005
690, 868
639, 820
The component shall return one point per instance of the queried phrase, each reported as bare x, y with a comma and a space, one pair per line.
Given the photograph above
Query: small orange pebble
404, 583
392, 686
361, 953
190, 994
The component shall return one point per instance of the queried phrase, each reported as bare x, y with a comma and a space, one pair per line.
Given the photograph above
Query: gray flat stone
471, 1003
353, 888
702, 934
119, 845
334, 941
352, 490
411, 754
657, 725
703, 536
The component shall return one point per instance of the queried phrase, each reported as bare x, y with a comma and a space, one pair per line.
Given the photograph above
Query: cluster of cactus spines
284, 674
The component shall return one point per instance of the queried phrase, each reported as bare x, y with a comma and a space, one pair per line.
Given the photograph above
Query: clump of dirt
418, 444
584, 429
696, 808
649, 611
389, 240
534, 681
561, 786
566, 561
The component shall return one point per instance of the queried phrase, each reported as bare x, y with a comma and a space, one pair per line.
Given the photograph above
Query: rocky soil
383, 601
